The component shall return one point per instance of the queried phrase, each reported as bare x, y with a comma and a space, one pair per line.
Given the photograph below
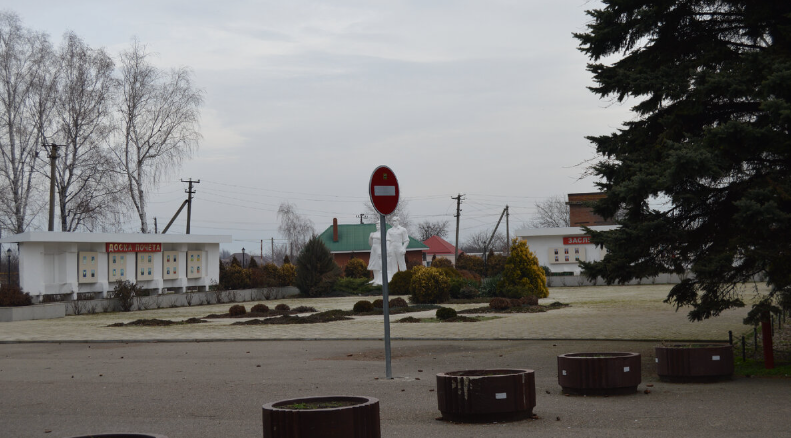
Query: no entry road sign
383, 190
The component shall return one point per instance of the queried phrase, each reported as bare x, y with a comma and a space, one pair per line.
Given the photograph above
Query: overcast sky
305, 98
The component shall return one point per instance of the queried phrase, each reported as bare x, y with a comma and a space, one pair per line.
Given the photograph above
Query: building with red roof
441, 248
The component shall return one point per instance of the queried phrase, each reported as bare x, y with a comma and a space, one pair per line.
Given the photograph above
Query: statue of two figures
397, 242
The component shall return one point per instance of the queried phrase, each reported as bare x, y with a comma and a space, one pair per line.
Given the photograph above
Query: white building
561, 249
72, 263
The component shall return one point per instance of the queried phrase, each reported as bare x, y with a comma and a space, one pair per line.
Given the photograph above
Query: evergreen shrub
237, 310
429, 286
399, 285
363, 306
379, 304
444, 313
259, 308
397, 302
499, 303
12, 296
356, 268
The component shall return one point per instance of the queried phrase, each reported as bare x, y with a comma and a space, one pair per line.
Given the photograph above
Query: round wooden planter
599, 373
359, 420
120, 435
474, 396
694, 362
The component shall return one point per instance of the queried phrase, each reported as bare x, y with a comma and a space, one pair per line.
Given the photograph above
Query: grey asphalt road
216, 389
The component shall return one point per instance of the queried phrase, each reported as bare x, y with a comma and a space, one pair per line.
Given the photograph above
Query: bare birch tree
89, 192
295, 228
23, 57
552, 212
159, 123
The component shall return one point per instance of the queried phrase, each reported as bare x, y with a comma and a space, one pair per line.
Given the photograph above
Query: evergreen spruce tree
701, 177
316, 269
522, 275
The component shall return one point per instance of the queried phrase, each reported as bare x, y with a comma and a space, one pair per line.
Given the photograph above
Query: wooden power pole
458, 215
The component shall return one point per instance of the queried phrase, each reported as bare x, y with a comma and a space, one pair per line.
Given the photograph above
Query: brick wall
415, 256
581, 214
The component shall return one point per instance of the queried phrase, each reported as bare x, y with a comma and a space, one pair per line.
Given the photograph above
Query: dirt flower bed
156, 323
316, 318
459, 318
517, 309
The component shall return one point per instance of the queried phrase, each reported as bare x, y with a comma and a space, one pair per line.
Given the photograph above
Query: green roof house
347, 241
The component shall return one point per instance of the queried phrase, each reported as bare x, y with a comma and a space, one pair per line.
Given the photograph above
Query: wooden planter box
359, 419
120, 435
599, 373
474, 396
694, 362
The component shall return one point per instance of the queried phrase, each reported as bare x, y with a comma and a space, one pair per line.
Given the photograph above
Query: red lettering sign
133, 247
577, 240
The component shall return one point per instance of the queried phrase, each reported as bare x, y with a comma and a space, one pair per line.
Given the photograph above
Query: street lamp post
9, 265
242, 257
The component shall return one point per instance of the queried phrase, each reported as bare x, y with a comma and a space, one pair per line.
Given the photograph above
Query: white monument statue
397, 242
375, 261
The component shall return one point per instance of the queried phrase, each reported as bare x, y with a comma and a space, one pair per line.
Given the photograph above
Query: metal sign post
384, 193
385, 299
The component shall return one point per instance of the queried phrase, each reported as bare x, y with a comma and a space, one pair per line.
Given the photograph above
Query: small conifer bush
237, 310
397, 302
260, 308
282, 307
499, 303
444, 313
379, 304
363, 306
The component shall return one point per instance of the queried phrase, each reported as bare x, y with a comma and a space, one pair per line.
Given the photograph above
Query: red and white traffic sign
383, 190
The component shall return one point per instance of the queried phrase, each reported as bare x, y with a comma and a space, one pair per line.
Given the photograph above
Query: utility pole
486, 247
262, 253
273, 250
458, 215
507, 232
155, 225
53, 156
189, 192
361, 216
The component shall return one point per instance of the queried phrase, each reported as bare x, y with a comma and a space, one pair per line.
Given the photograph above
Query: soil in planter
319, 405
156, 323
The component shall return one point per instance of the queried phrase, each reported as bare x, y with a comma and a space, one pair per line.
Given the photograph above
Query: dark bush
237, 310
441, 262
515, 302
317, 272
459, 283
363, 306
444, 313
354, 285
499, 303
468, 292
470, 263
12, 296
379, 304
260, 308
356, 268
282, 307
399, 285
530, 300
469, 275
397, 302
125, 292
234, 277
495, 264
516, 292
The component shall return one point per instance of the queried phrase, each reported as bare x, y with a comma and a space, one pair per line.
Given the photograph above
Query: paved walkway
623, 313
